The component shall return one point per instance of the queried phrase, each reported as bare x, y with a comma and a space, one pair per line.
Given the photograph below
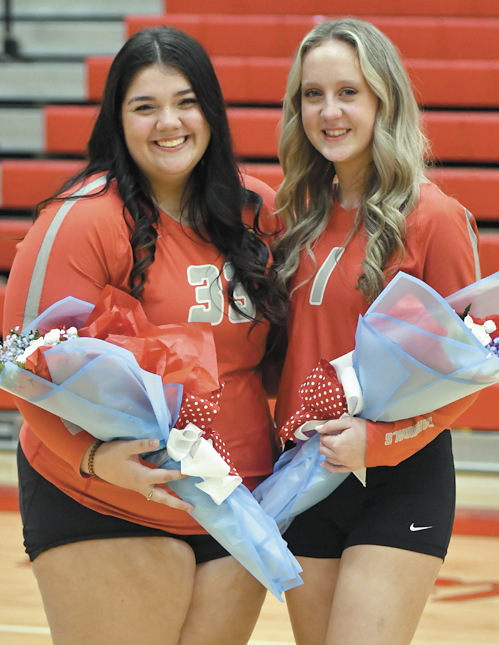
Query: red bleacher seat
339, 7
455, 136
463, 136
3, 288
279, 36
477, 189
243, 79
482, 415
12, 231
227, 35
7, 401
489, 253
68, 129
457, 83
25, 182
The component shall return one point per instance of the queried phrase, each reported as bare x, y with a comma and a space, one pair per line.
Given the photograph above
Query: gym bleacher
57, 55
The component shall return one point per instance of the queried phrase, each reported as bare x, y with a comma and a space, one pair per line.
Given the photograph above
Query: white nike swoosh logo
419, 528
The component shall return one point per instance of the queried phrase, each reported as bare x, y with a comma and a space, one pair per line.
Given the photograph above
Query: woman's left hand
344, 444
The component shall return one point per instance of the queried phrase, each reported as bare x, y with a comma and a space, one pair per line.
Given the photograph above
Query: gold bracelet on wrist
91, 456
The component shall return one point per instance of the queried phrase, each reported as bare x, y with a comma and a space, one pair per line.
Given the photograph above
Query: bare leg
225, 605
120, 591
309, 605
380, 595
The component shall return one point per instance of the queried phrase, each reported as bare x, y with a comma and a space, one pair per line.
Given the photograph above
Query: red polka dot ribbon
218, 443
322, 398
201, 412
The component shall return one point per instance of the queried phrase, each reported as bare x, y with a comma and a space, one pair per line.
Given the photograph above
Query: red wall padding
279, 36
437, 83
340, 7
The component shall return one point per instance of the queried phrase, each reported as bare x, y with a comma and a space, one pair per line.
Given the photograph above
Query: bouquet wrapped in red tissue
108, 370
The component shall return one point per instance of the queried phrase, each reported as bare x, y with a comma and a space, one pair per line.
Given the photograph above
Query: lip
181, 139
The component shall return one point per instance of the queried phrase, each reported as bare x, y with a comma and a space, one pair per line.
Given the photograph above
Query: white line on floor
24, 629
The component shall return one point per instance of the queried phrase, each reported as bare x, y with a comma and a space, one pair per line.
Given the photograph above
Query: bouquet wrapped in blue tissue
413, 354
107, 370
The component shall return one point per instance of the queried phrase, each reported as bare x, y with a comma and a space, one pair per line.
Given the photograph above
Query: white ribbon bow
353, 395
198, 458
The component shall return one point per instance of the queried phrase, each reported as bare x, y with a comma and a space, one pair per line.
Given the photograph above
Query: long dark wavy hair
215, 195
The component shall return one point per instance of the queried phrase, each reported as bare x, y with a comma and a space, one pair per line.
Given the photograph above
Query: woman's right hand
118, 463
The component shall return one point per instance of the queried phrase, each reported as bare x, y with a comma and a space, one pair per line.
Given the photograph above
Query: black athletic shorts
409, 506
51, 518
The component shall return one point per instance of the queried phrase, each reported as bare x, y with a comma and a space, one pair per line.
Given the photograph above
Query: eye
348, 92
188, 102
312, 94
143, 107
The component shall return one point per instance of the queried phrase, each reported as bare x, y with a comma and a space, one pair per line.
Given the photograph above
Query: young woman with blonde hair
358, 208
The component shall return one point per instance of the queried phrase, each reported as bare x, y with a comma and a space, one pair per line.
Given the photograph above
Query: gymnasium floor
463, 608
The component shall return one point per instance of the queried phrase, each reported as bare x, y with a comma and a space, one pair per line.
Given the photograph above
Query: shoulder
85, 221
440, 216
268, 221
443, 236
88, 208
260, 187
435, 208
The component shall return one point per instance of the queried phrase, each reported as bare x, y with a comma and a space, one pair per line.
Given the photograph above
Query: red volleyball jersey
78, 247
441, 250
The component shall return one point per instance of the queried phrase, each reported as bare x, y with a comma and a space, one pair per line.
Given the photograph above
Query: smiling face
338, 106
165, 129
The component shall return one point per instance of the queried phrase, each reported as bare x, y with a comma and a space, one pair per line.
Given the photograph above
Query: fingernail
319, 427
153, 442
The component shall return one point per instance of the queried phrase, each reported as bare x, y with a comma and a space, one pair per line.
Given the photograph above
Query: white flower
29, 350
72, 332
480, 331
52, 337
489, 326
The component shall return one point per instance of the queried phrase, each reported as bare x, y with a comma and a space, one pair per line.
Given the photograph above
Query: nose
331, 108
168, 119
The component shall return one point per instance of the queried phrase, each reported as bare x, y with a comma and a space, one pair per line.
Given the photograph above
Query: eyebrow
189, 90
344, 81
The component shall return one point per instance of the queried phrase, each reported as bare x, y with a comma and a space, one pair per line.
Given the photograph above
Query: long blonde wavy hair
304, 200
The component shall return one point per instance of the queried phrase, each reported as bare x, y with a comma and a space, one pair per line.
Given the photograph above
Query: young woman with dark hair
160, 212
